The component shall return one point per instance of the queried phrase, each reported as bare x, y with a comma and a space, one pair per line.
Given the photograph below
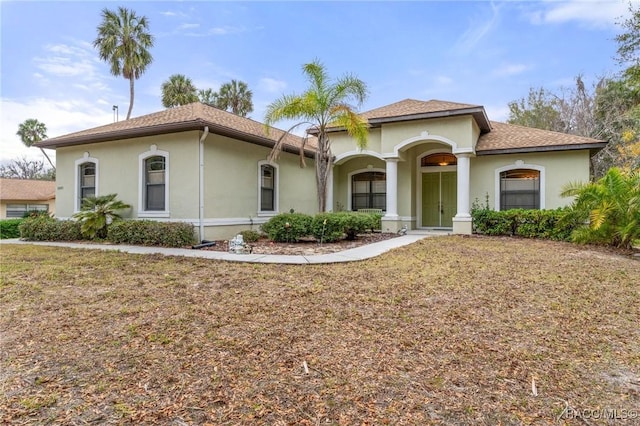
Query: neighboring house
18, 196
425, 163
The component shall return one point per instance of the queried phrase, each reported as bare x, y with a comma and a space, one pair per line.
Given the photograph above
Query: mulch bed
306, 247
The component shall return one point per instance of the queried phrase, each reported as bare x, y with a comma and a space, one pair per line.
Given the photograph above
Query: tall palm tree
323, 104
33, 131
236, 97
123, 42
178, 90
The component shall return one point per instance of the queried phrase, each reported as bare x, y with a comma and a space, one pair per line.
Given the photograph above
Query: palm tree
612, 207
123, 42
235, 96
178, 90
97, 213
323, 104
207, 96
33, 131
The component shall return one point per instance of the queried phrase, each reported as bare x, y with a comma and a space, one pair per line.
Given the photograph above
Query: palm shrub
608, 207
97, 213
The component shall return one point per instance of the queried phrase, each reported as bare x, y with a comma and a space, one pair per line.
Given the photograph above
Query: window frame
86, 158
27, 207
142, 183
276, 185
517, 166
350, 185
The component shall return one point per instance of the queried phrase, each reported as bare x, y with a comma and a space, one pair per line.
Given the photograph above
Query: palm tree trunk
130, 96
49, 159
323, 160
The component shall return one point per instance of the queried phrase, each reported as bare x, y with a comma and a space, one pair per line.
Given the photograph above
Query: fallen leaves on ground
449, 330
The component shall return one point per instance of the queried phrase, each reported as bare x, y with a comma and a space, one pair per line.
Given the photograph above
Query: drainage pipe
201, 182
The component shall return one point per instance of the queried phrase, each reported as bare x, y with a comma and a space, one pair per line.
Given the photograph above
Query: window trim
28, 207
519, 165
276, 191
153, 152
86, 158
350, 183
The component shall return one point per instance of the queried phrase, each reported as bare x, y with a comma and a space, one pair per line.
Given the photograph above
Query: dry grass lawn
449, 330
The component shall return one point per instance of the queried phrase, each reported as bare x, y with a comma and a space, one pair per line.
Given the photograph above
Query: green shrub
151, 233
549, 224
9, 228
250, 236
328, 227
357, 223
288, 227
44, 228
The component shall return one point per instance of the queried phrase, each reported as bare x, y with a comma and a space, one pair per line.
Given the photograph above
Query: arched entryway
437, 190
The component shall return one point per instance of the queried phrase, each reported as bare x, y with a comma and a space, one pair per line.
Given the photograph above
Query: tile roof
510, 137
27, 189
193, 116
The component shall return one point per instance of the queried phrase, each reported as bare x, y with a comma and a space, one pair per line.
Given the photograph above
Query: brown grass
449, 330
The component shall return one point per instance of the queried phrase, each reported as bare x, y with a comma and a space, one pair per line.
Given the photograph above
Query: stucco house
425, 163
18, 196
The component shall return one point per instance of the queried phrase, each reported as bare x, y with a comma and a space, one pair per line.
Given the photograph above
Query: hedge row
144, 232
151, 233
325, 227
549, 224
9, 228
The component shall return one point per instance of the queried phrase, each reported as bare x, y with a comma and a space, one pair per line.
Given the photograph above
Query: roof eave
570, 147
168, 128
478, 113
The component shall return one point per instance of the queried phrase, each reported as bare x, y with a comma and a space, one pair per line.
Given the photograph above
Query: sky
476, 52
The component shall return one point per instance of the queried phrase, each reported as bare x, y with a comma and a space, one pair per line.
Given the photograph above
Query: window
439, 159
267, 188
154, 183
369, 191
520, 189
87, 181
19, 210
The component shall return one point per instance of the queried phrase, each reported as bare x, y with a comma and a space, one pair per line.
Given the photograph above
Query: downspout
201, 182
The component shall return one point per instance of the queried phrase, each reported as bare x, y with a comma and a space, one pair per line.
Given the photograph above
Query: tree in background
22, 168
540, 110
323, 104
178, 90
235, 97
123, 42
207, 96
32, 131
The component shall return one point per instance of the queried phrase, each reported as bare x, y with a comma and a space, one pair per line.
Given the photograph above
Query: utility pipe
201, 182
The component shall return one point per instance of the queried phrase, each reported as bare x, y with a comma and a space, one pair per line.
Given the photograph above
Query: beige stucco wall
560, 168
230, 176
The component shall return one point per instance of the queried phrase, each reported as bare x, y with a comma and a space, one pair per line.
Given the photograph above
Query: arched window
267, 188
86, 179
369, 191
154, 183
438, 159
520, 189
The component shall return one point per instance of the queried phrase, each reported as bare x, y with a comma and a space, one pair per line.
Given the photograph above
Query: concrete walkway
359, 253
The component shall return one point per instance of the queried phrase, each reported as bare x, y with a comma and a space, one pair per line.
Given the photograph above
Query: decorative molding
153, 151
86, 158
519, 164
276, 188
339, 159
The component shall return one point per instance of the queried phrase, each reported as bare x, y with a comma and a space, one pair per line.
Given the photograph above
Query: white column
462, 220
463, 185
329, 205
392, 188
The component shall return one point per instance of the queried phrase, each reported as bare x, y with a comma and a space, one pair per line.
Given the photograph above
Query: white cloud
510, 69
60, 117
593, 13
271, 85
186, 26
443, 80
497, 112
477, 30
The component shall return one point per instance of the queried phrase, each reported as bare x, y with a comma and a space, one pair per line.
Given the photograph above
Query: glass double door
439, 199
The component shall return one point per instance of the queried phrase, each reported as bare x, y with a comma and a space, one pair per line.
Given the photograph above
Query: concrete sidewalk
359, 253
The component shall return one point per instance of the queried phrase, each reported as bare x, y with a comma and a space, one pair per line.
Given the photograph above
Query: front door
439, 199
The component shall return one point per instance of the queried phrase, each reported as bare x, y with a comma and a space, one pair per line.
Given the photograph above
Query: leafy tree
123, 42
612, 205
22, 168
235, 97
178, 90
540, 110
323, 104
97, 213
32, 131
